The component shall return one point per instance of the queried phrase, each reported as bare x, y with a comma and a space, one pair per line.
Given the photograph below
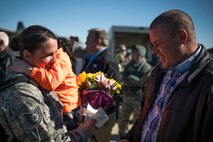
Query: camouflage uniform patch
35, 117
26, 115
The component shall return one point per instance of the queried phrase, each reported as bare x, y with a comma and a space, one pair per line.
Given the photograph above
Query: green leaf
92, 86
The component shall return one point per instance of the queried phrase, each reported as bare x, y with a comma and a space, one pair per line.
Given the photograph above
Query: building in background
130, 36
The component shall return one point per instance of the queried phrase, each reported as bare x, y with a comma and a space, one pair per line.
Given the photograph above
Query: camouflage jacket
134, 74
30, 114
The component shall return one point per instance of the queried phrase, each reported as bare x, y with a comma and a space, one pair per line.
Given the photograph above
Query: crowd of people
170, 102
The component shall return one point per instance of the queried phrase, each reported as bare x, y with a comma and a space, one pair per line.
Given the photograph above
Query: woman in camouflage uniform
29, 113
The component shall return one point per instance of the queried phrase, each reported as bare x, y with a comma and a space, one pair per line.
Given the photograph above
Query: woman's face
44, 56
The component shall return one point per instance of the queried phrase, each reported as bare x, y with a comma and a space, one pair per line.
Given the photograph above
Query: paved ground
115, 133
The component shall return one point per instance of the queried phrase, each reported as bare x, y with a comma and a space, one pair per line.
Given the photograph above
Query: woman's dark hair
31, 39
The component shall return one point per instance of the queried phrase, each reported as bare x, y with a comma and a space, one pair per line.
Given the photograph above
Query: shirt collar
92, 57
183, 67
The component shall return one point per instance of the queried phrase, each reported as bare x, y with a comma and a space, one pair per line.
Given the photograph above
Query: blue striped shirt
171, 79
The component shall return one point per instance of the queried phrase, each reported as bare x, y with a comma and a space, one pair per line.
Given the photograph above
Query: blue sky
66, 17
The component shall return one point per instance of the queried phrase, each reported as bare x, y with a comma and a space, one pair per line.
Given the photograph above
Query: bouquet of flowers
97, 90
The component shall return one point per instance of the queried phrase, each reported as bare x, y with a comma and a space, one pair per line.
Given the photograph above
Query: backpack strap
17, 79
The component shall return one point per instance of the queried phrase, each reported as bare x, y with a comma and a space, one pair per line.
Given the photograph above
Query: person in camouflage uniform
134, 75
29, 113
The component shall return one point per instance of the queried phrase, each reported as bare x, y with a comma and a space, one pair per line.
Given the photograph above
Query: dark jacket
188, 114
103, 62
6, 57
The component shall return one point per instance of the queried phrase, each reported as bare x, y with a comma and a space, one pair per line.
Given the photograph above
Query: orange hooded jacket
60, 79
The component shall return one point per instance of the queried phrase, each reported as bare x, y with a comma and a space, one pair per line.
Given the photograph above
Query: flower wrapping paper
97, 98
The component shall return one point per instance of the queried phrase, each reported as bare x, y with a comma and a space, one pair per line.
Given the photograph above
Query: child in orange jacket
61, 79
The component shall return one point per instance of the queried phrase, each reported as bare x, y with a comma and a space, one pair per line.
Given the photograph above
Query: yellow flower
81, 78
97, 81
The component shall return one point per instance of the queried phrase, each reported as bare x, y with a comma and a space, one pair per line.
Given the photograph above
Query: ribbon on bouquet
97, 98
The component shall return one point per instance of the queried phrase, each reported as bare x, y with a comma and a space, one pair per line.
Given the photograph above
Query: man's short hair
174, 20
75, 38
101, 33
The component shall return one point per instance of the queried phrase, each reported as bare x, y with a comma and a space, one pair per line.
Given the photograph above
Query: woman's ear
183, 36
27, 55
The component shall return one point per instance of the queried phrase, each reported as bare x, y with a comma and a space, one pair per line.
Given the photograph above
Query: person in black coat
100, 59
178, 106
6, 58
